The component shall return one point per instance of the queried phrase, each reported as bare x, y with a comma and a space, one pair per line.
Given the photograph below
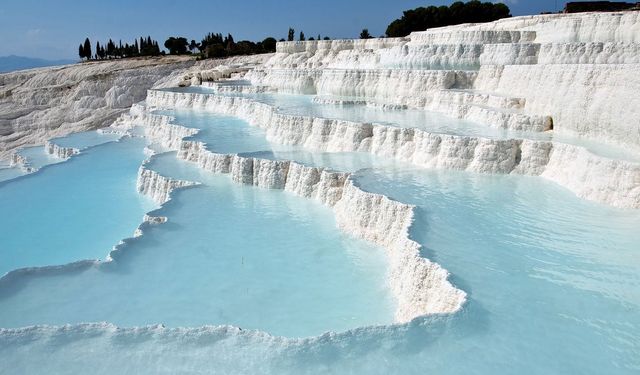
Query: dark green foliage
215, 51
109, 50
244, 47
598, 6
365, 34
302, 36
149, 47
176, 45
193, 46
229, 44
420, 19
269, 44
291, 34
217, 46
211, 46
214, 45
87, 48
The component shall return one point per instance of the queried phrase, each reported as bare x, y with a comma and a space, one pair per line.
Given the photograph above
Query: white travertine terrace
419, 285
568, 74
576, 72
158, 187
40, 104
20, 161
593, 177
58, 151
500, 74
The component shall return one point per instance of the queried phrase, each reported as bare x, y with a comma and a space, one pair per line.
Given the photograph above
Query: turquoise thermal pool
246, 279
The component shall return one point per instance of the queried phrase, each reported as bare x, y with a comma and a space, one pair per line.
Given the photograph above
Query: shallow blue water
434, 122
85, 139
8, 173
225, 134
545, 296
73, 210
553, 281
303, 105
37, 157
240, 255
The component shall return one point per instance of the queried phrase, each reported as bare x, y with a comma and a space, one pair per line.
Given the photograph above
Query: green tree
193, 45
215, 51
87, 48
229, 44
269, 44
111, 49
422, 18
302, 36
176, 45
364, 34
81, 51
291, 34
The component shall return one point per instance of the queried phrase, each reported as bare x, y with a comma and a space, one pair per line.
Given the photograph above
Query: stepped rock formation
573, 75
39, 104
554, 73
419, 285
576, 73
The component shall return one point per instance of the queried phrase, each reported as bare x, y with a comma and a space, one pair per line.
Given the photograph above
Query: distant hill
13, 62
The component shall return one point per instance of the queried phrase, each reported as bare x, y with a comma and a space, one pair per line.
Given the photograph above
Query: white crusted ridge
59, 151
40, 104
158, 187
388, 84
225, 87
576, 72
419, 285
430, 150
347, 102
22, 162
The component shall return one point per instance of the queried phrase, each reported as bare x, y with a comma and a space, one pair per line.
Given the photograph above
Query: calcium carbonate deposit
462, 200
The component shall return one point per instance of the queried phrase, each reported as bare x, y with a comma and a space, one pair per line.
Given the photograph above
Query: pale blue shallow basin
553, 281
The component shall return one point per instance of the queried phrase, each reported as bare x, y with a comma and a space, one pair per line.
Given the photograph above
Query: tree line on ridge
215, 45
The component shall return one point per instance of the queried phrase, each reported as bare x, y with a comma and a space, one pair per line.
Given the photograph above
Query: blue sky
53, 29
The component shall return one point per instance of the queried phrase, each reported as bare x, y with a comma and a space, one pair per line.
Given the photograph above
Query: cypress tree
87, 48
365, 34
111, 49
291, 34
302, 36
229, 43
